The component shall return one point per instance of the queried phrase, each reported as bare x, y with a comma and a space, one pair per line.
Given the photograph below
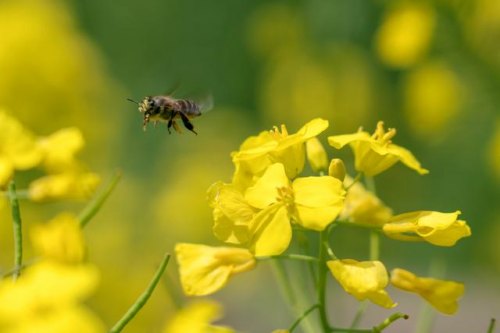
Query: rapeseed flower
61, 239
197, 318
363, 279
18, 148
204, 269
46, 298
362, 207
441, 294
312, 202
74, 185
59, 149
376, 153
316, 155
441, 229
275, 146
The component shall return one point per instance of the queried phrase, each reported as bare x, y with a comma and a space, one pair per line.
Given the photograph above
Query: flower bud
316, 155
337, 169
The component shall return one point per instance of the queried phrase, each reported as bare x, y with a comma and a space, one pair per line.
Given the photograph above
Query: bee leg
187, 123
170, 123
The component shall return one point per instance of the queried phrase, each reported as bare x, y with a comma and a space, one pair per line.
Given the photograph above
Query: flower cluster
270, 200
65, 177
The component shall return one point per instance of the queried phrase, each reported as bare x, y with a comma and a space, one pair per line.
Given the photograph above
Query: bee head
147, 106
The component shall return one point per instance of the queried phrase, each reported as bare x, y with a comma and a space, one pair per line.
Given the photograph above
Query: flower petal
264, 192
272, 231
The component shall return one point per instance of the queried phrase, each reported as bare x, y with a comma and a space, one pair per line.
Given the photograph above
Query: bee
168, 110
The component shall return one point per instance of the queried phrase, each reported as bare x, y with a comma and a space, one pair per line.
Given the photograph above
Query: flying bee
168, 109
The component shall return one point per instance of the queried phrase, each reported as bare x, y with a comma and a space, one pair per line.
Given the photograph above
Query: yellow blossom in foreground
441, 229
376, 153
68, 185
59, 149
312, 202
441, 294
363, 207
258, 152
232, 214
363, 280
281, 331
18, 149
316, 155
61, 239
204, 269
46, 299
196, 318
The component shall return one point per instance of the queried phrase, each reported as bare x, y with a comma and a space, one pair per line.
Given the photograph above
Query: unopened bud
337, 169
316, 155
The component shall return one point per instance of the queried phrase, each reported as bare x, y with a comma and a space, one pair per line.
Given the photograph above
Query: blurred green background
431, 69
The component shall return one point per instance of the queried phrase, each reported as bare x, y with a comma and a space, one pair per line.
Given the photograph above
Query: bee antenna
131, 100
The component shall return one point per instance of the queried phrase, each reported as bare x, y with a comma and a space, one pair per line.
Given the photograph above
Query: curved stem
93, 207
491, 328
302, 316
18, 233
354, 181
139, 303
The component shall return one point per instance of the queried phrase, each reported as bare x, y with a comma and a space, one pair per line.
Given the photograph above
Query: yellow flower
196, 318
61, 239
441, 229
18, 150
258, 152
312, 202
405, 34
204, 269
73, 185
363, 207
60, 148
441, 294
316, 155
232, 214
46, 298
376, 153
363, 280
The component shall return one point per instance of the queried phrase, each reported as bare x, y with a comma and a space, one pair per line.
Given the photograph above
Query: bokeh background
431, 69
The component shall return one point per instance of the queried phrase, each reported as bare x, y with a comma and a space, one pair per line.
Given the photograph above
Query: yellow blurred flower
196, 318
280, 331
441, 229
441, 294
363, 280
73, 185
61, 239
18, 149
405, 34
363, 207
59, 149
258, 152
46, 298
312, 202
232, 214
433, 96
316, 155
204, 269
376, 153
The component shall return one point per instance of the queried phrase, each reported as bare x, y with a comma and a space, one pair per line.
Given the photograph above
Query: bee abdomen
190, 108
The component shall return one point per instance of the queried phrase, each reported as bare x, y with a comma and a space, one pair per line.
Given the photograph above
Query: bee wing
206, 103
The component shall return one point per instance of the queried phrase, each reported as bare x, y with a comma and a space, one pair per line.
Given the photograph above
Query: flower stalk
17, 226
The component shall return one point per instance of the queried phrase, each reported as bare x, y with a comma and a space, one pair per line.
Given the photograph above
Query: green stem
302, 316
359, 313
322, 274
143, 298
18, 233
374, 245
95, 204
491, 328
389, 321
